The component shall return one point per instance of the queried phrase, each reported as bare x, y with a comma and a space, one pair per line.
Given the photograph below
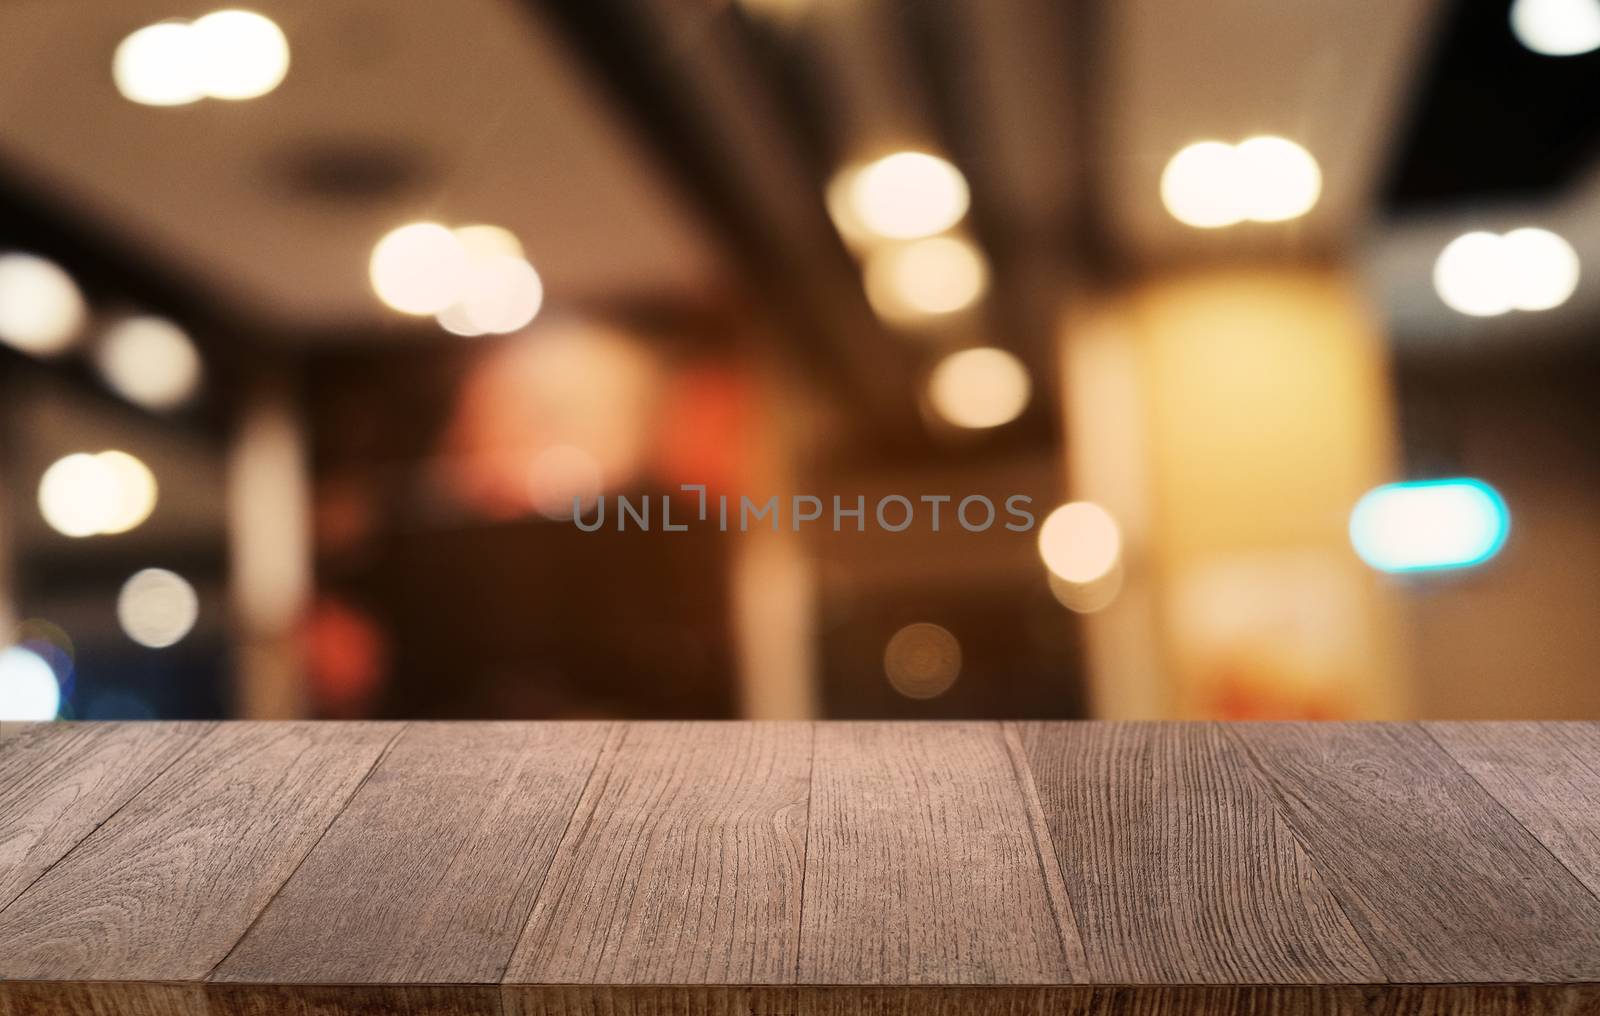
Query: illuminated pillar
1231, 419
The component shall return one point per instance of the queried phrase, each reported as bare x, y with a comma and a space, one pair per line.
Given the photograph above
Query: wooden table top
788, 868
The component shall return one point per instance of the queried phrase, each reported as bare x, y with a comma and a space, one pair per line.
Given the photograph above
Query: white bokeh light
1557, 27
239, 54
903, 196
157, 608
29, 691
159, 66
1483, 274
1211, 184
41, 309
91, 495
925, 278
1080, 542
149, 361
227, 54
1542, 267
976, 388
1200, 188
419, 268
1281, 180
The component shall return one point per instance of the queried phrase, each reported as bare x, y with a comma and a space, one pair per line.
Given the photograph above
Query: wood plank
1178, 866
165, 888
64, 779
429, 875
683, 864
351, 1000
1547, 775
922, 865
1441, 883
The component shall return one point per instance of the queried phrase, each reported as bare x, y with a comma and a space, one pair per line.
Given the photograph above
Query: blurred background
316, 319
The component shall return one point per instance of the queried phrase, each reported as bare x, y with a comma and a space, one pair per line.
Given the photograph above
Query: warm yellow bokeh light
903, 196
157, 608
1080, 542
1211, 184
925, 278
149, 361
420, 268
922, 660
983, 387
41, 309
89, 495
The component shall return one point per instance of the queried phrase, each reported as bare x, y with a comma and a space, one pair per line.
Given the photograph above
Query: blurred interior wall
1230, 419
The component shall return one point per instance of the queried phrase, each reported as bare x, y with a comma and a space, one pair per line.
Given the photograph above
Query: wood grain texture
1178, 866
922, 866
683, 864
63, 780
1441, 883
429, 874
1547, 775
167, 886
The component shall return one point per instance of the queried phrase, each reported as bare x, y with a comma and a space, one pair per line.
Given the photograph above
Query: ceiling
393, 110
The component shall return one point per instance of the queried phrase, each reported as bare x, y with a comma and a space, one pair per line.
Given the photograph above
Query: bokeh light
41, 309
561, 475
1557, 27
240, 54
149, 361
922, 660
983, 387
1542, 268
1080, 542
903, 196
419, 268
1280, 180
925, 278
1484, 274
89, 495
28, 688
1429, 525
1211, 184
503, 294
157, 608
227, 54
159, 66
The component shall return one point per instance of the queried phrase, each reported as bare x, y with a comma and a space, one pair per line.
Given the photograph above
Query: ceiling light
41, 308
159, 66
149, 361
89, 495
1211, 184
1557, 27
239, 54
502, 292
419, 268
905, 196
157, 608
983, 387
925, 278
29, 691
1484, 274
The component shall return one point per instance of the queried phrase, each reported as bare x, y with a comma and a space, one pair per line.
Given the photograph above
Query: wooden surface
743, 869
